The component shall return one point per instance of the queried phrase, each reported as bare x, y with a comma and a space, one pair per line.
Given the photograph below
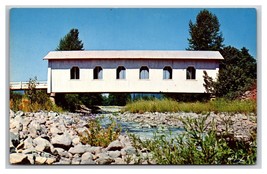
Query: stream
144, 131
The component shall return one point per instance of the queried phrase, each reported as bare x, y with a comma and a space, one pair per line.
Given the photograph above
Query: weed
199, 144
96, 135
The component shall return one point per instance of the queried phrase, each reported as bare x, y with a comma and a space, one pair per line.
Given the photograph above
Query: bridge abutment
53, 97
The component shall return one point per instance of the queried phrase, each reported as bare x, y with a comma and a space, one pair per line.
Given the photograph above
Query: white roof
129, 54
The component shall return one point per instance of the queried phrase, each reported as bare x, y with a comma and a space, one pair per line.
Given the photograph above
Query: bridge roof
130, 54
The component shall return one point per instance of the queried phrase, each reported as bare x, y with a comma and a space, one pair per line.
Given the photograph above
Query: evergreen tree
70, 41
238, 72
71, 102
205, 33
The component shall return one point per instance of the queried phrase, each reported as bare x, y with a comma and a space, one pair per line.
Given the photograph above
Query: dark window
144, 73
121, 72
190, 73
167, 72
74, 73
98, 72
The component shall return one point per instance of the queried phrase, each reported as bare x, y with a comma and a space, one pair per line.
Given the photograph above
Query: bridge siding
61, 82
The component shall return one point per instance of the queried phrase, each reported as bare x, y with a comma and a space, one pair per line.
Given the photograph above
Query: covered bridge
130, 71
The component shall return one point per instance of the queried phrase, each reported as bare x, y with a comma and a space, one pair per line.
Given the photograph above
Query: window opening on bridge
144, 73
75, 73
121, 72
190, 72
167, 72
98, 72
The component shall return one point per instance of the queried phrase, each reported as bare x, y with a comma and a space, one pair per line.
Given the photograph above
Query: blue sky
34, 32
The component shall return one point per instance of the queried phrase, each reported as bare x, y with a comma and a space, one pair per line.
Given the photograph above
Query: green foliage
117, 99
71, 102
208, 84
238, 72
96, 135
198, 144
205, 33
169, 105
15, 100
70, 41
33, 100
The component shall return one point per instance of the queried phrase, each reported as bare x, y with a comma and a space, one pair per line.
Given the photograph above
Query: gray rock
52, 114
63, 141
32, 132
95, 150
87, 155
79, 149
54, 130
114, 145
87, 158
61, 152
76, 160
103, 158
130, 150
76, 140
64, 161
18, 158
119, 161
125, 141
42, 144
14, 138
11, 113
114, 154
15, 124
19, 114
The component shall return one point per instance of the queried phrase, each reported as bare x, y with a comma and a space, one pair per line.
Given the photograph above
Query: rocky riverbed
52, 138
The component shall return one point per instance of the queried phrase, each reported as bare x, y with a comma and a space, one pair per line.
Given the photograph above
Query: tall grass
169, 105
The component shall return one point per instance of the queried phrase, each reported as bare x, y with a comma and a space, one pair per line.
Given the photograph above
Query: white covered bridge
130, 71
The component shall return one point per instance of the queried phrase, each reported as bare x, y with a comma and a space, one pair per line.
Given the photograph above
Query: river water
143, 131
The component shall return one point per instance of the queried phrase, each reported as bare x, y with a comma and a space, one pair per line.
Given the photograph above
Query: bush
199, 144
96, 135
33, 100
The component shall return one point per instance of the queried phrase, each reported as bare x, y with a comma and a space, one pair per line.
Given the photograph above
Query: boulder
76, 160
18, 158
64, 161
40, 160
54, 130
11, 113
87, 158
114, 154
62, 141
95, 150
52, 114
76, 140
50, 160
42, 145
61, 152
79, 149
14, 138
114, 145
19, 114
103, 158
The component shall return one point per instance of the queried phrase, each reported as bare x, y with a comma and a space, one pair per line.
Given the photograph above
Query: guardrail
25, 85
